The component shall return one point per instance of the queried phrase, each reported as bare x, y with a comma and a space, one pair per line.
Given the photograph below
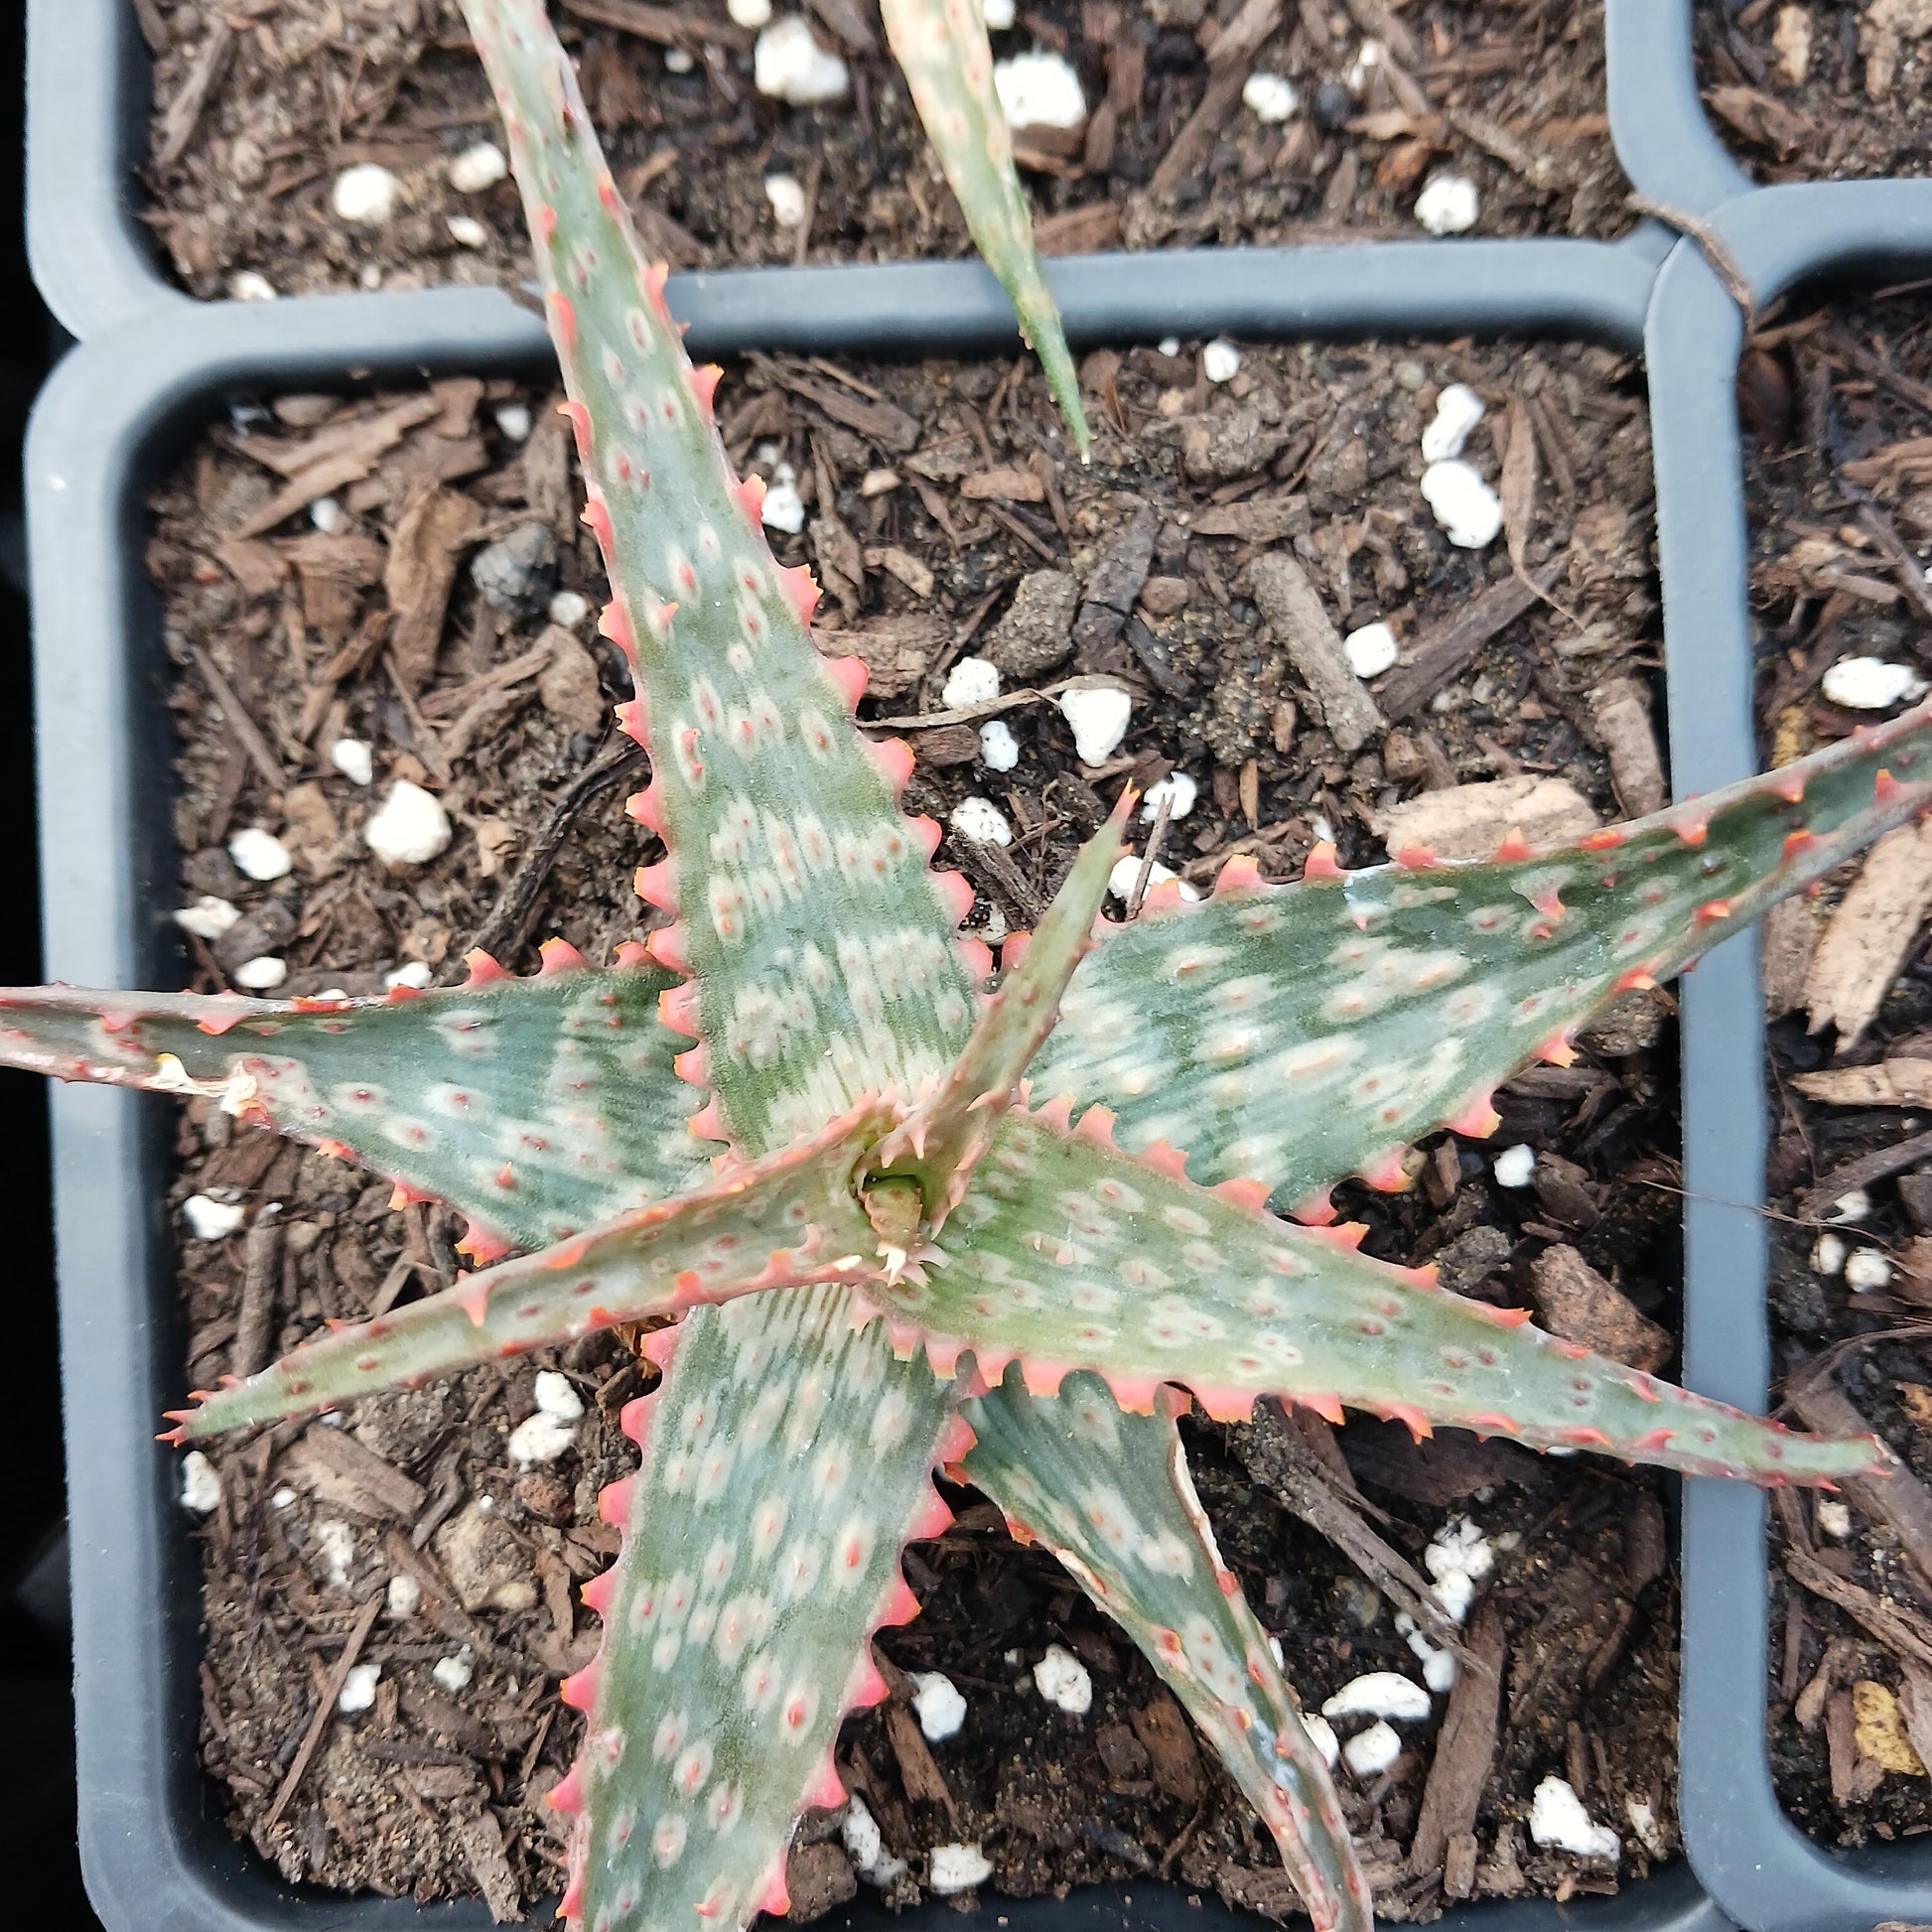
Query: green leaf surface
1109, 1493
1073, 1255
819, 941
790, 1218
942, 49
1299, 1034
539, 1106
785, 1462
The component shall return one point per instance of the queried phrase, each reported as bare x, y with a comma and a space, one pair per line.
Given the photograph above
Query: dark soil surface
1841, 527
1809, 92
254, 122
436, 1786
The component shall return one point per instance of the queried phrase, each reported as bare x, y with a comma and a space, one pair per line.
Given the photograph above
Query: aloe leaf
941, 47
784, 1467
818, 940
1109, 1493
1075, 1254
539, 1106
793, 1217
1302, 1034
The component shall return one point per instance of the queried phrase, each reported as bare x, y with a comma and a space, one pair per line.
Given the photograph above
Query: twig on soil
1275, 1455
1900, 1630
241, 727
1876, 1166
1899, 1498
1148, 858
1466, 1749
324, 1710
503, 930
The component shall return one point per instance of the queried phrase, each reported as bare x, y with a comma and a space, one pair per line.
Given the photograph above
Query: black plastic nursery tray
108, 425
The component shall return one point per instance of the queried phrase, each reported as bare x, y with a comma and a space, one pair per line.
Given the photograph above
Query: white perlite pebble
404, 1597
454, 1673
1514, 1166
937, 1705
998, 747
998, 15
1169, 345
262, 974
1469, 511
364, 193
541, 1439
260, 854
1557, 1820
354, 760
1848, 1209
973, 680
328, 515
212, 1220
865, 1847
556, 1395
1039, 89
1870, 683
1324, 1733
1061, 1678
1269, 98
1121, 881
1458, 1557
679, 60
478, 168
1219, 360
1372, 1750
1176, 789
786, 194
249, 285
1370, 650
1459, 409
335, 1544
956, 1867
982, 821
1097, 715
515, 421
467, 231
410, 829
569, 607
1867, 1269
783, 508
1448, 204
1833, 1518
282, 1497
1379, 1694
200, 1487
413, 973
752, 14
789, 65
358, 1688
1439, 1671
207, 918
1828, 1254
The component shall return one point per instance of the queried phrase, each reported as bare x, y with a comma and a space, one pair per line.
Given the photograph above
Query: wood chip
908, 569
1079, 230
424, 551
1577, 1302
1295, 614
1903, 1632
1622, 716
883, 422
1898, 1498
1260, 519
241, 727
332, 1464
662, 25
1787, 939
480, 1840
1892, 1083
1445, 652
261, 1276
1168, 1740
923, 1780
1467, 1748
1472, 821
1007, 485
184, 112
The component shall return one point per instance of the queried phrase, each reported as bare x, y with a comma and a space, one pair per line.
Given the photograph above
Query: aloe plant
878, 1221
